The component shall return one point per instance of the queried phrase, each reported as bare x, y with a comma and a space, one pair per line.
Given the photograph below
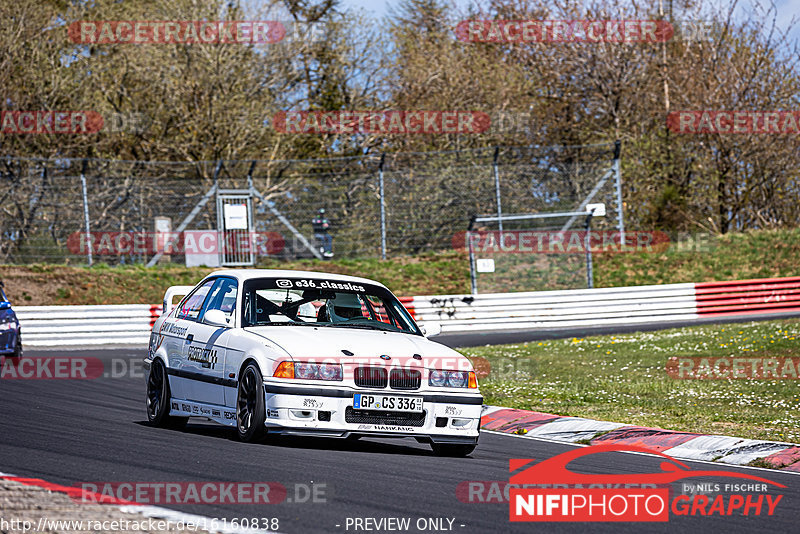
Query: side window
379, 309
190, 309
222, 297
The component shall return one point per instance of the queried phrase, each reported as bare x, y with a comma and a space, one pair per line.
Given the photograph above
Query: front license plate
362, 401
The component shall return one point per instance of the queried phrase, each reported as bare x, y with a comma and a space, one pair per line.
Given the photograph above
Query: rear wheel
447, 449
250, 411
158, 396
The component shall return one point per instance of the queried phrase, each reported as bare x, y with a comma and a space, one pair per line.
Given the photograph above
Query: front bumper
9, 333
328, 412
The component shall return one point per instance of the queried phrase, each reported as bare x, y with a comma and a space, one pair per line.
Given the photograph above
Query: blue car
10, 340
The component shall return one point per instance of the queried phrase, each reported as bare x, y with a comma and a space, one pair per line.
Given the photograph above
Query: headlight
457, 379
308, 371
329, 371
453, 379
437, 378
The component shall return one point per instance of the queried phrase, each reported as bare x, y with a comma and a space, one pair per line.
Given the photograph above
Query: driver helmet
344, 306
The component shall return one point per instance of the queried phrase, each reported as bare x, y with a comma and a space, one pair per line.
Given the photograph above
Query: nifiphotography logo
574, 496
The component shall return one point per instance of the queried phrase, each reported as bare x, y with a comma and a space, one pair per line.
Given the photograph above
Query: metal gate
235, 228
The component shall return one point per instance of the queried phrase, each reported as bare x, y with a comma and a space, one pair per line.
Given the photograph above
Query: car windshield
322, 302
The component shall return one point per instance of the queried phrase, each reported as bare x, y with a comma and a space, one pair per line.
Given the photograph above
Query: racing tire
250, 409
17, 348
447, 449
158, 395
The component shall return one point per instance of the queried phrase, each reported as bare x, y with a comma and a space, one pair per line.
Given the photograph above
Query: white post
86, 213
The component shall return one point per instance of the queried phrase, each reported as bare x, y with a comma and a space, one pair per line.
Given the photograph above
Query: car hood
367, 346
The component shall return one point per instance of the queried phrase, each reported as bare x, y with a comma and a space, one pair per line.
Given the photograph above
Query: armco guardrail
540, 310
86, 325
557, 309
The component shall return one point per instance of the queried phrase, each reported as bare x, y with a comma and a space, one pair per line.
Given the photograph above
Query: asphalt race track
75, 431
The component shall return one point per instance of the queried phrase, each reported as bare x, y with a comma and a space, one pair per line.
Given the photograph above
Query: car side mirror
216, 318
431, 328
5, 305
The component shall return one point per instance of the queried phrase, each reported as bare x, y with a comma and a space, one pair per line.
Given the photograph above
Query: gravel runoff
34, 510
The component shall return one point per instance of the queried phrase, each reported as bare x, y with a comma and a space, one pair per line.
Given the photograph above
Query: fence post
473, 282
383, 207
588, 246
250, 174
618, 180
497, 193
86, 213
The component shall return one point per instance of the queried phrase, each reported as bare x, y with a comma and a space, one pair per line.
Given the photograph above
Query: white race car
294, 352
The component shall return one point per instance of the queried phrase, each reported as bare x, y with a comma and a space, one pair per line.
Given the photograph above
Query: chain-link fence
63, 210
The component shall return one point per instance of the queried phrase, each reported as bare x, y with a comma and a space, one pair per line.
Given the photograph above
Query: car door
175, 330
204, 351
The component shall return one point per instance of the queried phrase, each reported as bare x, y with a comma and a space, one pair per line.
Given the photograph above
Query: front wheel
447, 449
158, 395
17, 348
250, 411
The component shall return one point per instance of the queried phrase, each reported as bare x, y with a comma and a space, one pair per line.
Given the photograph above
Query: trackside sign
572, 496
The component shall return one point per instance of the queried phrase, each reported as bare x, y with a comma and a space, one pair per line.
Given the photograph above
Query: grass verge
735, 256
623, 378
45, 284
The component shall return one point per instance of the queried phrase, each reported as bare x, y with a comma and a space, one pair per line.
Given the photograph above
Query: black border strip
200, 377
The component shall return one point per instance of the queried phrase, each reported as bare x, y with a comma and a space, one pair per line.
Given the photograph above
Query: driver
342, 307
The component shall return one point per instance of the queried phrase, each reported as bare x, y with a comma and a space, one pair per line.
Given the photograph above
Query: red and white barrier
544, 310
538, 310
684, 445
741, 297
